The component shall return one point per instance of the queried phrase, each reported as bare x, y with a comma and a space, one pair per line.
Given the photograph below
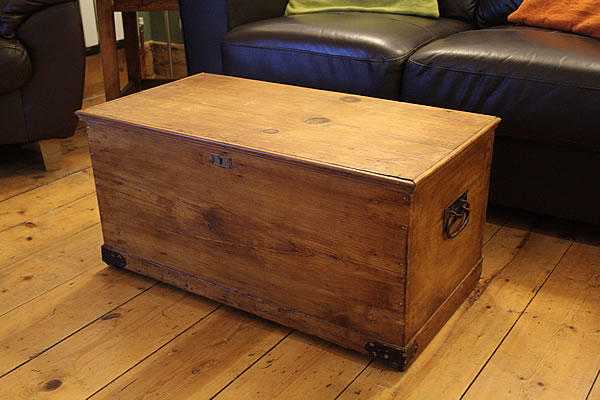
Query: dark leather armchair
42, 59
544, 84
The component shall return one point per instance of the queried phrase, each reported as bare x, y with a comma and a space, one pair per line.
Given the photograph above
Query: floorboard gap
152, 353
76, 331
353, 379
13, 262
593, 385
251, 365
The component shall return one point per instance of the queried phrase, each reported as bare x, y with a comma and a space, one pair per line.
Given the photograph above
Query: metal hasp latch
394, 357
221, 161
456, 217
113, 258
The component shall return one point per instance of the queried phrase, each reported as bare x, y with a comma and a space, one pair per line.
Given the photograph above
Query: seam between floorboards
587, 396
50, 211
485, 364
13, 262
85, 271
251, 365
493, 236
45, 184
354, 379
156, 350
77, 331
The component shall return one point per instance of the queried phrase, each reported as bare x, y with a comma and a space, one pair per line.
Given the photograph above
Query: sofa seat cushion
15, 66
352, 52
544, 84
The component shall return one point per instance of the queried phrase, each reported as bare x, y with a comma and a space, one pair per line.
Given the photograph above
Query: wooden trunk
321, 211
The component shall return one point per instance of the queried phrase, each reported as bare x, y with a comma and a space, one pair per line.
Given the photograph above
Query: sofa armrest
53, 37
15, 12
206, 22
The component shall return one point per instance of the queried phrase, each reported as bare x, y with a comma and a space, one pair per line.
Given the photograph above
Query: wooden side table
105, 10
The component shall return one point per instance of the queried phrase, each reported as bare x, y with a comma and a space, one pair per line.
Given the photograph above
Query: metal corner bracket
395, 357
113, 258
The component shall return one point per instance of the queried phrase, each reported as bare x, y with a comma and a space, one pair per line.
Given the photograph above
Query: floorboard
552, 352
39, 201
25, 239
85, 362
201, 361
34, 327
300, 367
35, 275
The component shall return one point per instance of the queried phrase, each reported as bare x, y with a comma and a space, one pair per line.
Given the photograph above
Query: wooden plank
36, 202
82, 364
34, 327
201, 361
23, 240
301, 367
47, 269
192, 217
108, 48
52, 155
553, 352
300, 123
132, 48
24, 173
514, 268
437, 265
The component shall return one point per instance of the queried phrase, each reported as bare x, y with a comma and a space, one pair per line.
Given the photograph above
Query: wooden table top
373, 136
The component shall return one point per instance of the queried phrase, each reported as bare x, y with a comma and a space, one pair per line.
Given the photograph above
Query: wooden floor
71, 328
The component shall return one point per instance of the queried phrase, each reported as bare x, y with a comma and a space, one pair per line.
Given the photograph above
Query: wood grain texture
300, 367
404, 140
82, 364
132, 48
564, 319
201, 361
453, 359
317, 217
39, 201
436, 264
193, 222
51, 151
36, 326
28, 238
60, 262
594, 393
108, 48
489, 230
22, 171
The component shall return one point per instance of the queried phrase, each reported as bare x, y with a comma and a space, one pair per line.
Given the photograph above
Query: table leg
108, 48
132, 49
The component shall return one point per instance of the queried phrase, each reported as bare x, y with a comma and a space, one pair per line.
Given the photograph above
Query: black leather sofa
544, 84
42, 64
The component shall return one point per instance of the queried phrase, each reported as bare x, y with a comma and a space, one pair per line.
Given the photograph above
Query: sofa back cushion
495, 12
458, 9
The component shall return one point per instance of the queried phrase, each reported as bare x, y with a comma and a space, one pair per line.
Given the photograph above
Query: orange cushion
578, 16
